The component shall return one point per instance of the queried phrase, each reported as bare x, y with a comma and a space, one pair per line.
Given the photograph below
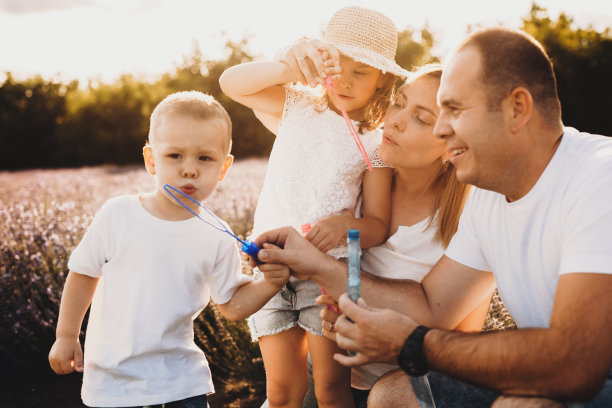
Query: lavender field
43, 214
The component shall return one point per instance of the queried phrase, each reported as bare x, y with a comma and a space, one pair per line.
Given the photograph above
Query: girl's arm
258, 85
66, 354
373, 226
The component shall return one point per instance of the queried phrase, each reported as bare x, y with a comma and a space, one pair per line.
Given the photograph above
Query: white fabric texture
156, 278
410, 253
561, 226
315, 169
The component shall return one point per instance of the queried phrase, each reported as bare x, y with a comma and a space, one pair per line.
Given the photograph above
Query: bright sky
100, 39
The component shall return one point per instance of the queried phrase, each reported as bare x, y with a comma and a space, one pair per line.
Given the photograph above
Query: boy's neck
156, 204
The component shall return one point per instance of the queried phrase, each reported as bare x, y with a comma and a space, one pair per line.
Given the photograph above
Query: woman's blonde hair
450, 193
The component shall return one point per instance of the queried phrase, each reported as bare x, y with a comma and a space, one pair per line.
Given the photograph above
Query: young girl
315, 176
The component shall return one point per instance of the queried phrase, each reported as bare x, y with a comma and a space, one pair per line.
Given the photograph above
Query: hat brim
373, 59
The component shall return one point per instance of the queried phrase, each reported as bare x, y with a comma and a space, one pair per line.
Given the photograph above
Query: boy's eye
174, 156
205, 158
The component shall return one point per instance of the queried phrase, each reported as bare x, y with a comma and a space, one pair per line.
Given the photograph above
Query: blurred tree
414, 48
583, 62
30, 113
250, 137
107, 124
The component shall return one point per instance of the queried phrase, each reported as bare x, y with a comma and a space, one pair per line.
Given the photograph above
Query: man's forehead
460, 72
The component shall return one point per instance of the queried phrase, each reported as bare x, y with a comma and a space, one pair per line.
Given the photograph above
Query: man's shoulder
587, 148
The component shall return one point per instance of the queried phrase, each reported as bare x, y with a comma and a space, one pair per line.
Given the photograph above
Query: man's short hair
194, 104
512, 58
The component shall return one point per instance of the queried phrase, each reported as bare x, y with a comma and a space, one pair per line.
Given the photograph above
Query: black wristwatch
411, 358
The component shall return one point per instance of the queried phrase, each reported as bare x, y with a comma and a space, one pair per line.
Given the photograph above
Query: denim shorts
294, 305
199, 401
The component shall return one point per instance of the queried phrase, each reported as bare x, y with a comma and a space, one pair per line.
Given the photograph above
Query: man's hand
66, 356
303, 258
376, 335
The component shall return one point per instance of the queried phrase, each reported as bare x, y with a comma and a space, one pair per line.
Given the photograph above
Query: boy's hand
66, 356
328, 232
275, 274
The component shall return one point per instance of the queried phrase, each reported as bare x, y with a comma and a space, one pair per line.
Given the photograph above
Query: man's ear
149, 161
519, 108
228, 162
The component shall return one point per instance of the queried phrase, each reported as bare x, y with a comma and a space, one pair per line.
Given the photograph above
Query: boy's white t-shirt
156, 277
561, 226
410, 253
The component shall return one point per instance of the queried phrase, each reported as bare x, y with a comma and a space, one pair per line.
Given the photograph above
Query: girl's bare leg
285, 359
332, 381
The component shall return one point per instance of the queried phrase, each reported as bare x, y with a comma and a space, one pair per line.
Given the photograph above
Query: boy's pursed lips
188, 189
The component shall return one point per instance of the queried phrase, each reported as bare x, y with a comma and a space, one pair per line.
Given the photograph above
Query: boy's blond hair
194, 104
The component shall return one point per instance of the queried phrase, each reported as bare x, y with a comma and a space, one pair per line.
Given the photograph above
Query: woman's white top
315, 168
408, 254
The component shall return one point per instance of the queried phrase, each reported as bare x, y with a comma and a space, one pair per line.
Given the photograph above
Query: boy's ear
228, 162
147, 152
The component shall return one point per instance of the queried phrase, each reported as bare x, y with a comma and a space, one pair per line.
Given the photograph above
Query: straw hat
366, 36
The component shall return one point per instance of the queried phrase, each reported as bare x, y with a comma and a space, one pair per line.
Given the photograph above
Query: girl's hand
311, 60
328, 232
328, 315
275, 274
66, 356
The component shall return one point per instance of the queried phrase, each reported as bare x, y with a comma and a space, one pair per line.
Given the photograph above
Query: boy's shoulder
119, 202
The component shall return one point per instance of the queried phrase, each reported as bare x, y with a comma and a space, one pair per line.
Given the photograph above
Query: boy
149, 267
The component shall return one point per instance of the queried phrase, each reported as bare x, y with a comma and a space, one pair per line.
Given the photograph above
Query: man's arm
448, 294
571, 359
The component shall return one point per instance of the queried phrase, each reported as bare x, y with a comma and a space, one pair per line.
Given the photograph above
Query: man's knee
509, 401
392, 390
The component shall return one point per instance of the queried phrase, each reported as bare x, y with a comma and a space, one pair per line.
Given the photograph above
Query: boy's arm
253, 295
373, 226
66, 354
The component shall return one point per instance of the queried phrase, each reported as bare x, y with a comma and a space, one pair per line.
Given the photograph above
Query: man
537, 225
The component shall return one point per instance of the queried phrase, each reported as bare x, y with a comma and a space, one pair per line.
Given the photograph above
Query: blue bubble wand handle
354, 264
248, 246
354, 268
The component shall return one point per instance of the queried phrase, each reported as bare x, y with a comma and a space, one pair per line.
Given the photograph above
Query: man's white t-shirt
561, 226
156, 277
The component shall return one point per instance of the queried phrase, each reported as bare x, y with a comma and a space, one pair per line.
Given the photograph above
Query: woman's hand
311, 60
328, 232
329, 314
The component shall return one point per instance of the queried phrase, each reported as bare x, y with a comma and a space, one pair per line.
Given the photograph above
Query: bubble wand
248, 246
330, 84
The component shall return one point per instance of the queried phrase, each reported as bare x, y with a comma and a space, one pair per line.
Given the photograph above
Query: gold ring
300, 60
331, 327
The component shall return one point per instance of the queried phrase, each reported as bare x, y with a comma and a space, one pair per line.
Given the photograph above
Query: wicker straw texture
367, 36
